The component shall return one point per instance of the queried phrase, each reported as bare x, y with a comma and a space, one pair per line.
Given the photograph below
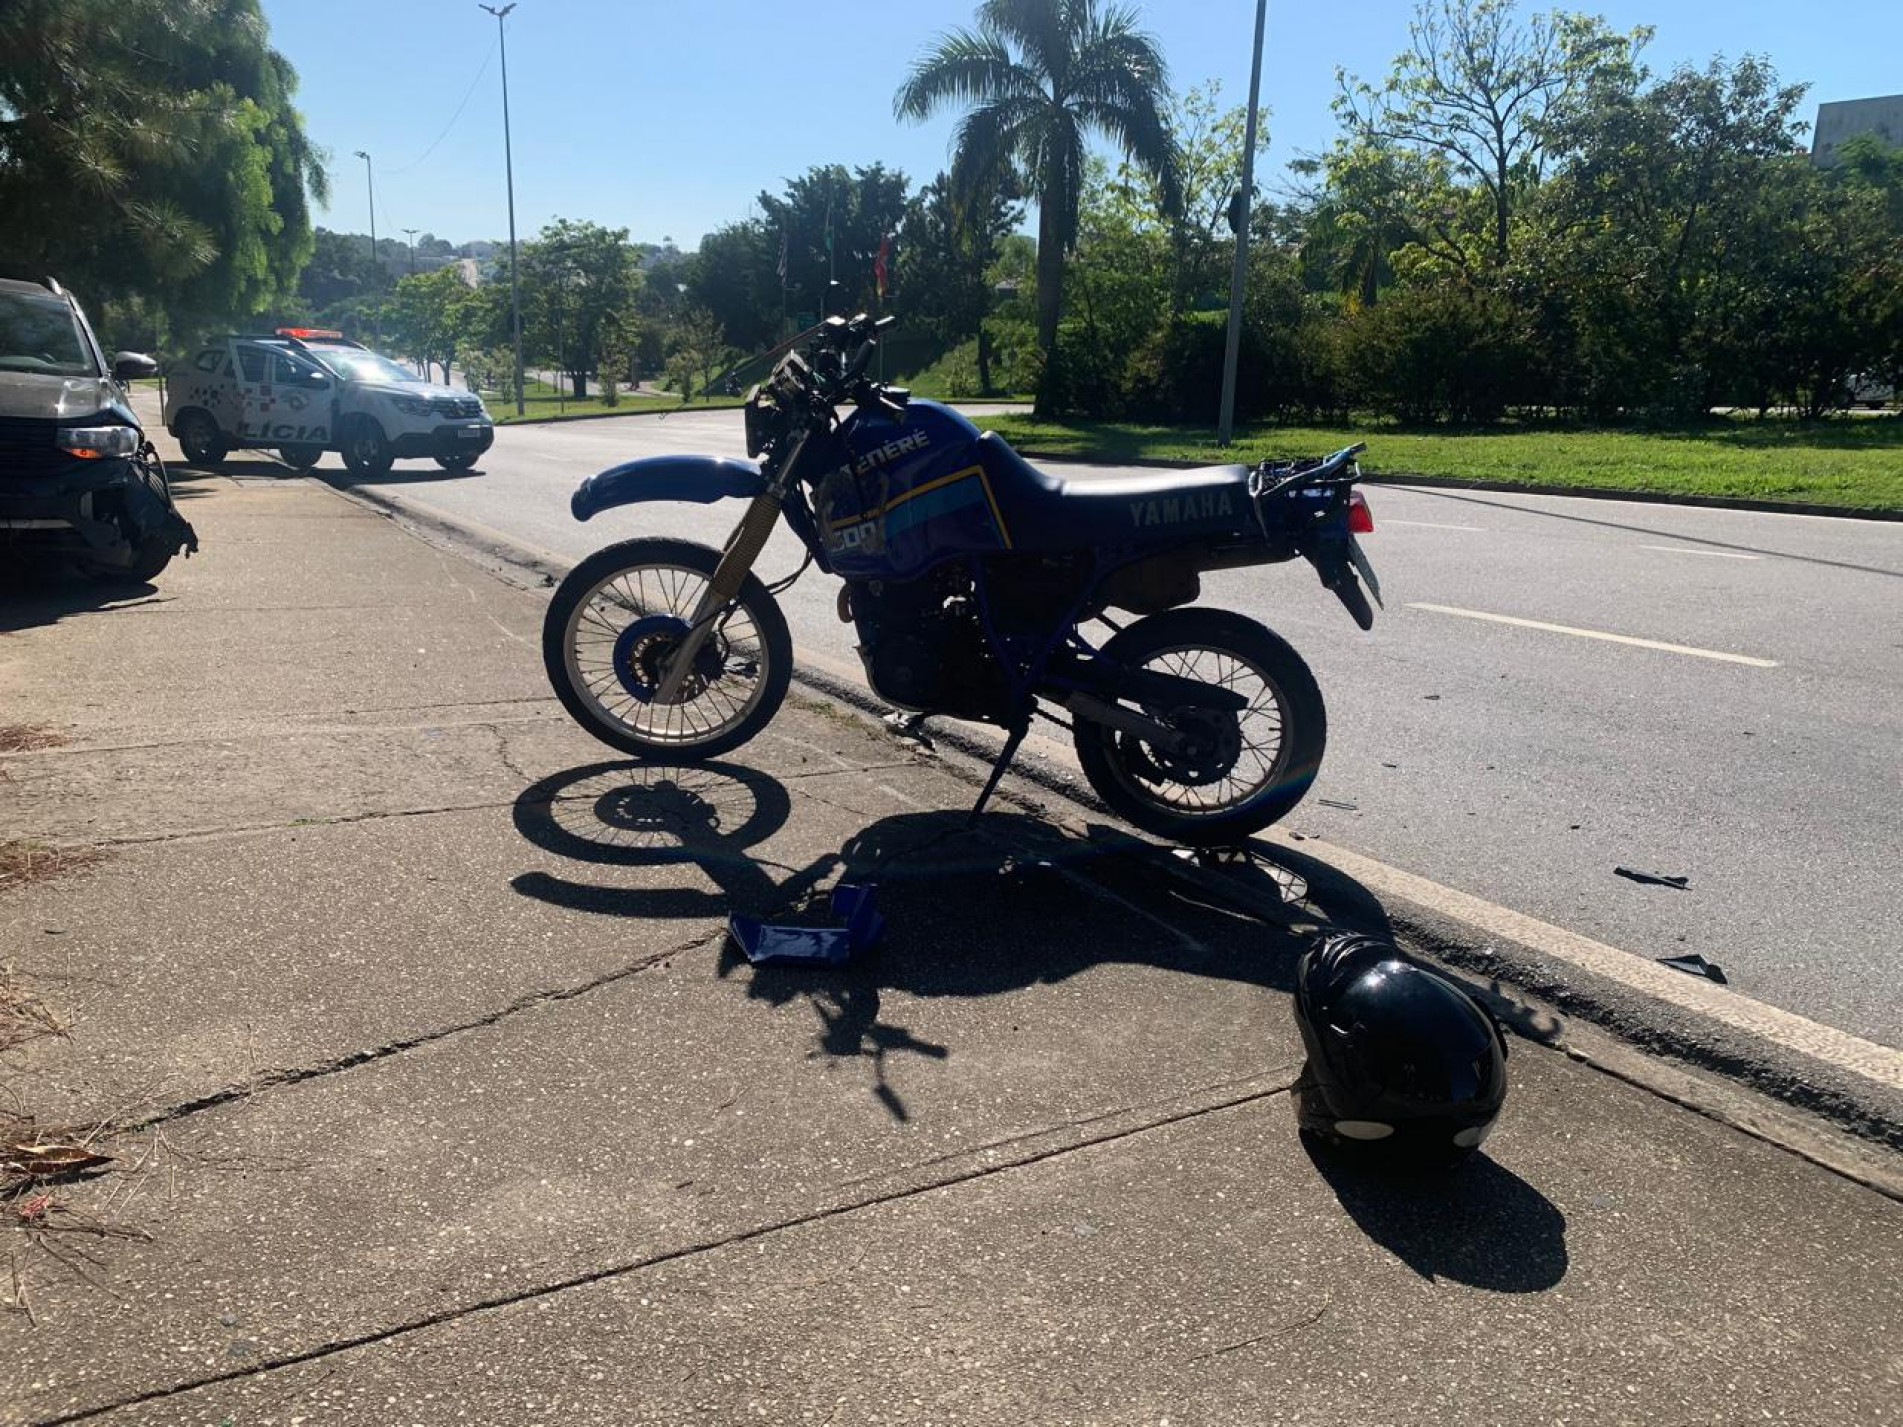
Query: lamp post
376, 302
1227, 423
508, 158
411, 233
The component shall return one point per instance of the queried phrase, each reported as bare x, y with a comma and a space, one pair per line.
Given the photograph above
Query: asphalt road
1519, 762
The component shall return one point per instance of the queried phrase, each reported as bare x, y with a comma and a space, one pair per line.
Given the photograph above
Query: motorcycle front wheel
615, 622
1241, 771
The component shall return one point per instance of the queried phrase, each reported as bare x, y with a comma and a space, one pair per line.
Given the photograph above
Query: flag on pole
881, 265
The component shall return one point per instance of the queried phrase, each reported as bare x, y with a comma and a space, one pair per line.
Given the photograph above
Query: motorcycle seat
1046, 512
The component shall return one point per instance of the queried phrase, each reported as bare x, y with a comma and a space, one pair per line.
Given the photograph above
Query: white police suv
302, 392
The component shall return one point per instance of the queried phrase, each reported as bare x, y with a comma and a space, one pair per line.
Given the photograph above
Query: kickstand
1009, 752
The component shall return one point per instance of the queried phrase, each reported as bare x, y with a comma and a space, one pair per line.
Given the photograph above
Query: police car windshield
40, 334
359, 366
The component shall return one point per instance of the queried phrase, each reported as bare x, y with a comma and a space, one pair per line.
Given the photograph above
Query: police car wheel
366, 449
301, 458
200, 439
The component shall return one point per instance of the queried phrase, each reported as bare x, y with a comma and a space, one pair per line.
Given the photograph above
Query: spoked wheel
614, 628
1234, 773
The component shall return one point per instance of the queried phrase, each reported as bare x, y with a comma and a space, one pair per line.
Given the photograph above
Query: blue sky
667, 118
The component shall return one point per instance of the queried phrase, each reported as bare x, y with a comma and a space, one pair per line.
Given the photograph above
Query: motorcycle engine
923, 646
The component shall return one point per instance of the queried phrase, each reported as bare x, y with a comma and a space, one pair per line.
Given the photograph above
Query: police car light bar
307, 332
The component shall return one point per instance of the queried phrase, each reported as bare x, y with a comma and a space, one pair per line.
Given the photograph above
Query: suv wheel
302, 457
200, 439
366, 449
461, 461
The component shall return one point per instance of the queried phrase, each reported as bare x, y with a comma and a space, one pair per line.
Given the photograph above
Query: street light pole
508, 153
1227, 422
411, 233
376, 303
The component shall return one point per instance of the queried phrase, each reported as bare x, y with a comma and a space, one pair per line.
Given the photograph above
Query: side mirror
128, 365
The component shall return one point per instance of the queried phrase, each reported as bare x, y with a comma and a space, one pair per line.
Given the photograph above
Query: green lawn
542, 400
1849, 461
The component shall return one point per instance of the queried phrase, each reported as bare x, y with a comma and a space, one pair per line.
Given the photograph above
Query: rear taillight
1360, 518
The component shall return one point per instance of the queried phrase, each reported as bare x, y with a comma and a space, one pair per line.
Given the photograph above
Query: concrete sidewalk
453, 1105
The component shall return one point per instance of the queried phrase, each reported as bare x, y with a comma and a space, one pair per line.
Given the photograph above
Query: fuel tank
911, 494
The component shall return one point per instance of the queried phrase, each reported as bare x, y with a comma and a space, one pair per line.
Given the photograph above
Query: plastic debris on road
1696, 965
1653, 879
771, 944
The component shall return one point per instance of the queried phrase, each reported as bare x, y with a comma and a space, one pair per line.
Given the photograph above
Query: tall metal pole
508, 153
1227, 423
376, 301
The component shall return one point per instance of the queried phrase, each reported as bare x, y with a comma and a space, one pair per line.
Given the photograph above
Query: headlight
411, 405
91, 443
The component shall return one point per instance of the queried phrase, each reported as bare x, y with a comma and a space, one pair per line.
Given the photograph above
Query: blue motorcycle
970, 576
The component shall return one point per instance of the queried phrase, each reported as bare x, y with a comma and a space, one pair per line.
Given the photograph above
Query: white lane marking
1687, 550
1866, 1058
1433, 525
1755, 663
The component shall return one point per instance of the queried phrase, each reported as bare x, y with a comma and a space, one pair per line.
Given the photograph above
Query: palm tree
1035, 78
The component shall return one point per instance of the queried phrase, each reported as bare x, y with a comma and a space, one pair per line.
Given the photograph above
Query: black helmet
1400, 1060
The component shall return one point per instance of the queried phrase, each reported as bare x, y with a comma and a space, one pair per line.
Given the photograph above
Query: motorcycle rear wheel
605, 670
1257, 775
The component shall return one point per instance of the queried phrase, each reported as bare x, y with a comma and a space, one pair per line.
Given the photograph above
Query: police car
302, 391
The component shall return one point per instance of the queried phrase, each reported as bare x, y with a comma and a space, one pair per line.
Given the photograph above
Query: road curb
1639, 1039
1463, 483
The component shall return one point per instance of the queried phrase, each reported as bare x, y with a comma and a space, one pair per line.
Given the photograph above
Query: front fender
701, 479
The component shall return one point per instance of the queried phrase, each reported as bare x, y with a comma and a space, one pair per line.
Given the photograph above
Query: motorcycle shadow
972, 910
659, 815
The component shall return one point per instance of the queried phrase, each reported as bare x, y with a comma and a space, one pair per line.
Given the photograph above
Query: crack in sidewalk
529, 1001
791, 1222
204, 834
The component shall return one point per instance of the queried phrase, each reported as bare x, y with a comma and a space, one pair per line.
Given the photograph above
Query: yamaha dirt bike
970, 576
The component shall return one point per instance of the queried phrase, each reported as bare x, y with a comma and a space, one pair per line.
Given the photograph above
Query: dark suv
77, 476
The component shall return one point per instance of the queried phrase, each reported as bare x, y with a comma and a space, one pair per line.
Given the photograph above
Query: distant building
1847, 118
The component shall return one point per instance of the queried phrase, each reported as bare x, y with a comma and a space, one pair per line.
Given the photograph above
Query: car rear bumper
452, 438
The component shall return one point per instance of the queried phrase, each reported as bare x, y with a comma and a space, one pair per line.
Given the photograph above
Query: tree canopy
149, 149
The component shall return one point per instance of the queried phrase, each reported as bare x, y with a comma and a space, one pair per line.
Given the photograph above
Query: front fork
743, 547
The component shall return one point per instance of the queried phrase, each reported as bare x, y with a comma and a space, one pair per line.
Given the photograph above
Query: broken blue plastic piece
766, 943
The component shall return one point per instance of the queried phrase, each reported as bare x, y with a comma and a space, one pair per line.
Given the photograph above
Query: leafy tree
947, 248
339, 269
834, 220
575, 277
1474, 98
427, 318
699, 352
1036, 78
1208, 142
1651, 226
1120, 291
734, 279
150, 147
